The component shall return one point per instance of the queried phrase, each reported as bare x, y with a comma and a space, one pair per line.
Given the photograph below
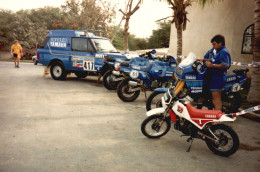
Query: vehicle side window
81, 44
90, 47
44, 42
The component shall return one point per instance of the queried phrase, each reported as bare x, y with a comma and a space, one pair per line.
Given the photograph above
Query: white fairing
191, 58
155, 111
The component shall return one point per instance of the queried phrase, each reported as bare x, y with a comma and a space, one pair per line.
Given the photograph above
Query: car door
82, 54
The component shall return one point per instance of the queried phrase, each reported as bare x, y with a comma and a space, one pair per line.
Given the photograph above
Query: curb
253, 116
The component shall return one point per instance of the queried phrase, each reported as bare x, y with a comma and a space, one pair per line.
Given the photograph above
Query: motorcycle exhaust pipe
132, 83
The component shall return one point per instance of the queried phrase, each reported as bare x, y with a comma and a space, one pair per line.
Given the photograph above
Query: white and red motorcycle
195, 123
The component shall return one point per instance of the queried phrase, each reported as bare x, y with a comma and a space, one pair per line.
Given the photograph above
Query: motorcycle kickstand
188, 140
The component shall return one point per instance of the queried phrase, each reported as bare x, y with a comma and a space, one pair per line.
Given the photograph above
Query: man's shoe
18, 66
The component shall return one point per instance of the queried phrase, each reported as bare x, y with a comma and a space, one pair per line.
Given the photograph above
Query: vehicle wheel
154, 100
108, 80
58, 71
81, 74
35, 62
155, 126
229, 142
231, 102
124, 92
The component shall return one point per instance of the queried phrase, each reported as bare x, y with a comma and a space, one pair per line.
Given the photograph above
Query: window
247, 45
103, 46
82, 45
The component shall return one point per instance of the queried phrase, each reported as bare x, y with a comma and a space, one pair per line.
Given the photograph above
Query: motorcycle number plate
134, 74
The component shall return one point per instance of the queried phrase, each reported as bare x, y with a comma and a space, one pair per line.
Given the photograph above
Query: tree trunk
254, 93
179, 40
125, 33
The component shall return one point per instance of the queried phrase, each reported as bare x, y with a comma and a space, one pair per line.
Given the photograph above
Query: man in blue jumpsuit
218, 63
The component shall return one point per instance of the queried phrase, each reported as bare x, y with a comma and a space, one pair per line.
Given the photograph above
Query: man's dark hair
218, 39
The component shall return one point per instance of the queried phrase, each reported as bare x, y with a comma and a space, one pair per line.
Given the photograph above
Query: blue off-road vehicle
79, 52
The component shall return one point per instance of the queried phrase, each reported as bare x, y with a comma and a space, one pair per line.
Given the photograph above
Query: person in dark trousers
16, 52
218, 61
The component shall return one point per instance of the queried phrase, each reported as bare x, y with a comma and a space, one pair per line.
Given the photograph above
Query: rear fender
155, 111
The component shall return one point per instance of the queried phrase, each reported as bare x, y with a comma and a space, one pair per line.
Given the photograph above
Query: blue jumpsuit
217, 76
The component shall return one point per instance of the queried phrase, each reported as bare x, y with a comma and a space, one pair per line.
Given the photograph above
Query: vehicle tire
81, 74
58, 71
123, 91
229, 141
155, 126
108, 80
231, 102
154, 100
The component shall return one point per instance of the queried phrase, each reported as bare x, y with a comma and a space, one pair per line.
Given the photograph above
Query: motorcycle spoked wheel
154, 100
155, 126
229, 141
123, 91
107, 81
231, 102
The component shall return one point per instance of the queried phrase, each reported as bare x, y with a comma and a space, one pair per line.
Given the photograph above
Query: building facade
231, 18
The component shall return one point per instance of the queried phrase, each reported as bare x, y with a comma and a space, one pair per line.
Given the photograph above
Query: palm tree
254, 93
179, 19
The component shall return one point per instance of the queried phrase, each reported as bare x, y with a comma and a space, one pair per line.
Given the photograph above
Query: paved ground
78, 125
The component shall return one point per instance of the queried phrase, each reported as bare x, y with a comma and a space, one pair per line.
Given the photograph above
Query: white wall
229, 18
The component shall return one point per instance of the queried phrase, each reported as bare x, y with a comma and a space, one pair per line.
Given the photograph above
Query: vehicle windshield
190, 59
104, 46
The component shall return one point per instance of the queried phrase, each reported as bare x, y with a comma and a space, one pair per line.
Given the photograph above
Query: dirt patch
248, 147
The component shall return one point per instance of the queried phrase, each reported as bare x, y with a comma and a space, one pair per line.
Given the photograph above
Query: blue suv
79, 52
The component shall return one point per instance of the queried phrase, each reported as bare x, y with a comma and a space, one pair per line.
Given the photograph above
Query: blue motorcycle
191, 85
142, 78
111, 78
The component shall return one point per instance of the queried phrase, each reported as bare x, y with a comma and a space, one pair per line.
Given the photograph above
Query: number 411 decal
89, 66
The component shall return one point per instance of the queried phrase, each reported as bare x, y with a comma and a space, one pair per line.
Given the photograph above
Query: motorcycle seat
202, 113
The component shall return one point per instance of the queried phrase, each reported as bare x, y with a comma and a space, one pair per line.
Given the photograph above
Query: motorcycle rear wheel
231, 102
155, 126
123, 92
229, 141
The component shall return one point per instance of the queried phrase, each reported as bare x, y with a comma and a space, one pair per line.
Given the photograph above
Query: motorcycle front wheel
228, 140
108, 82
154, 100
124, 91
155, 126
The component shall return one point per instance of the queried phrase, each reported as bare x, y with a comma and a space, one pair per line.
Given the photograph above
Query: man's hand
209, 64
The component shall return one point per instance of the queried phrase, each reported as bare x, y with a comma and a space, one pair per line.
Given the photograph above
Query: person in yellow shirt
16, 52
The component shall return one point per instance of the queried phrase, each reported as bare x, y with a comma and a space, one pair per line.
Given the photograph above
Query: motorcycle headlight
236, 87
179, 71
134, 74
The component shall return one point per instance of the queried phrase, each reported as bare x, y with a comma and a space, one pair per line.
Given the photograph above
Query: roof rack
99, 33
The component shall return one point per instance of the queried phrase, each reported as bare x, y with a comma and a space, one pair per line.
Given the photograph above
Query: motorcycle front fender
161, 89
155, 111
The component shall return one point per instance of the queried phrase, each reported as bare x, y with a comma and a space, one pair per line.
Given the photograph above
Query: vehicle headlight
179, 71
134, 74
